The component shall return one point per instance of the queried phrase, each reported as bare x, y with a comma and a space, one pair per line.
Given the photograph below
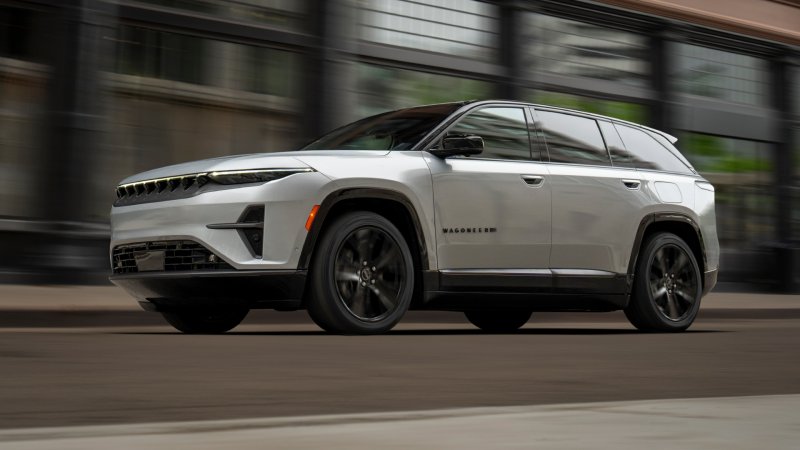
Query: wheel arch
679, 224
390, 204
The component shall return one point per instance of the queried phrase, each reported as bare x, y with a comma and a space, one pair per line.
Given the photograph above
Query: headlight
253, 176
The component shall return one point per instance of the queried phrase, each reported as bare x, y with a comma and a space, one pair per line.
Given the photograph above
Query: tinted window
504, 132
619, 155
644, 152
396, 130
572, 139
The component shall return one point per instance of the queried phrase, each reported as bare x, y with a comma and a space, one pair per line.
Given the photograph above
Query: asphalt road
148, 373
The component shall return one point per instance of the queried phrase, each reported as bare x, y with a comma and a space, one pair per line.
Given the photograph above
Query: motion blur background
92, 91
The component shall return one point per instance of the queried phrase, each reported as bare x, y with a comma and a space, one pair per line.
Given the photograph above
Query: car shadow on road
447, 332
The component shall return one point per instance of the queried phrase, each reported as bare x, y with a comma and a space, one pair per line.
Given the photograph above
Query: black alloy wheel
362, 276
667, 286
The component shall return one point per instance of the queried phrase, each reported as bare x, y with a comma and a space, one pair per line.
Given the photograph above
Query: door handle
533, 180
632, 184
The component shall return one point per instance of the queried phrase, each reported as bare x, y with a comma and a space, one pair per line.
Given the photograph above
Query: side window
648, 153
503, 129
572, 139
619, 155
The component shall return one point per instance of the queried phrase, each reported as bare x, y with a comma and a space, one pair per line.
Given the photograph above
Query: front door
492, 211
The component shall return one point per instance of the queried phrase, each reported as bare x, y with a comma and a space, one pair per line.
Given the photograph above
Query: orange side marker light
311, 216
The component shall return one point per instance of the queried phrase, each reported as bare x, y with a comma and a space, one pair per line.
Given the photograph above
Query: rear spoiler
672, 139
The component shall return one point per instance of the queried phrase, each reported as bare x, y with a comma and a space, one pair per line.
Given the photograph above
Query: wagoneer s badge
470, 230
494, 208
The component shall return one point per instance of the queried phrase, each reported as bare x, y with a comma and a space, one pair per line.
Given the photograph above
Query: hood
280, 160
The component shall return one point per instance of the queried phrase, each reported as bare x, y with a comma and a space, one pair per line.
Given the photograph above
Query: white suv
493, 208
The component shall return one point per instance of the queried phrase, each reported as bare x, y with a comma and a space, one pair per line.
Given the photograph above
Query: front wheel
667, 286
205, 321
362, 276
498, 321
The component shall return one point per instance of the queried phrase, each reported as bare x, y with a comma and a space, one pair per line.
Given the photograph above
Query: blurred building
92, 91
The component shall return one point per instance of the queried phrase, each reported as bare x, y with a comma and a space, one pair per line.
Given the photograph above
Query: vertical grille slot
159, 189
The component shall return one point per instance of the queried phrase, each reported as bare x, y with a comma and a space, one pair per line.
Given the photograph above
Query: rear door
596, 207
492, 211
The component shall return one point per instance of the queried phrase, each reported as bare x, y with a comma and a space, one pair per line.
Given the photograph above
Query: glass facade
175, 97
189, 79
722, 75
566, 47
742, 174
466, 28
157, 54
382, 88
18, 33
285, 14
24, 74
795, 216
632, 112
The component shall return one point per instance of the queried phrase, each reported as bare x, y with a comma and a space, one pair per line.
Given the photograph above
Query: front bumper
252, 289
210, 218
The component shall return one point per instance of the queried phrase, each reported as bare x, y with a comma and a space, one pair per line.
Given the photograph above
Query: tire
205, 321
498, 321
362, 276
667, 286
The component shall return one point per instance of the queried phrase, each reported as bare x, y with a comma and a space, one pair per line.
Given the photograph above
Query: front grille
178, 256
171, 188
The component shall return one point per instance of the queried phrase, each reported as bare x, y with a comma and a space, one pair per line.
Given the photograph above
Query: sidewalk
723, 422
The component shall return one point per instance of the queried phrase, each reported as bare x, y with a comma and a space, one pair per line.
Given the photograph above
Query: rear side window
645, 152
572, 139
619, 155
503, 129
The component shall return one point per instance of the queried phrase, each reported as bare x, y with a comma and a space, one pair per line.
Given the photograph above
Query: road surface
276, 366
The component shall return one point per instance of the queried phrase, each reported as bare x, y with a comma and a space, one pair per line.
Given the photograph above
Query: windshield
396, 130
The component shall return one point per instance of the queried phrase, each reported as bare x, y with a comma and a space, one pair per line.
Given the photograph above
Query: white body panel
595, 216
491, 194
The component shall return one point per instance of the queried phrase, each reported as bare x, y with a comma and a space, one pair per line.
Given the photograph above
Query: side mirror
469, 144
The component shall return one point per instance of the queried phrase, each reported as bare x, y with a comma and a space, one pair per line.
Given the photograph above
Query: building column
510, 86
65, 247
328, 100
662, 62
783, 96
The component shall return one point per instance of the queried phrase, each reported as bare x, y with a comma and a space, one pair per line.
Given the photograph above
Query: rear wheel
205, 321
498, 321
667, 286
362, 276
